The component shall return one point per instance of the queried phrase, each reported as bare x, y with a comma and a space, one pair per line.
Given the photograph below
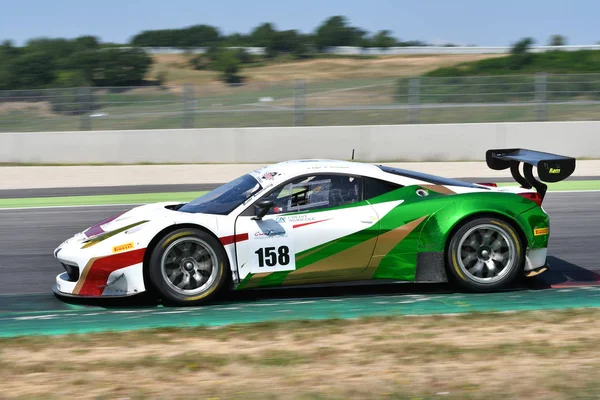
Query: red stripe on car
309, 223
225, 240
97, 275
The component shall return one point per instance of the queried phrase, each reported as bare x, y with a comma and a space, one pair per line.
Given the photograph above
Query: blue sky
481, 22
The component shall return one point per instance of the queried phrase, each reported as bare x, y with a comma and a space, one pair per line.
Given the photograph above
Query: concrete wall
445, 142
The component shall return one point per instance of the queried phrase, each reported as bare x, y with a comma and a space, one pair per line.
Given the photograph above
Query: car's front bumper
98, 271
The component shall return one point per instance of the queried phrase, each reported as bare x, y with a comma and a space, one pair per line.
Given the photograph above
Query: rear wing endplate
550, 167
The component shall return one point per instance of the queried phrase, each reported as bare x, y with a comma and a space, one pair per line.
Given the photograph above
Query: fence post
83, 99
414, 94
541, 96
299, 101
188, 106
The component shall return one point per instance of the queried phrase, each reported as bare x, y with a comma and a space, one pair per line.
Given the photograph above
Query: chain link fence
420, 100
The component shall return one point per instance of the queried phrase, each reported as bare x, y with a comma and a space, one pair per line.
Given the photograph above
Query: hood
146, 212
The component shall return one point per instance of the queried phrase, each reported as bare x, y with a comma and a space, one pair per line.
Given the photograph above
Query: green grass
251, 116
187, 196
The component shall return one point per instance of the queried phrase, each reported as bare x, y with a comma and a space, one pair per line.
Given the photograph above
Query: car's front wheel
188, 267
485, 254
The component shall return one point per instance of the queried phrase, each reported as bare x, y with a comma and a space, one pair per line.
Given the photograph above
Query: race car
318, 222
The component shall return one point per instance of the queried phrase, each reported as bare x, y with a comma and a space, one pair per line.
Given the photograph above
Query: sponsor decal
554, 170
123, 247
269, 234
269, 176
280, 220
540, 231
300, 218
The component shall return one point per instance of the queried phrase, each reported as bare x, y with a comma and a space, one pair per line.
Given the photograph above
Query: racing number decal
271, 256
270, 248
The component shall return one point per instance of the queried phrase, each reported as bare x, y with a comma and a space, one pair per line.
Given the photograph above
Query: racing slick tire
188, 267
485, 254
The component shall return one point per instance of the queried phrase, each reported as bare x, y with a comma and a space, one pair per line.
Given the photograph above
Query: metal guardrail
540, 97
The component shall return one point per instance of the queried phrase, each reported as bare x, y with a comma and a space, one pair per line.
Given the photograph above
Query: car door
319, 230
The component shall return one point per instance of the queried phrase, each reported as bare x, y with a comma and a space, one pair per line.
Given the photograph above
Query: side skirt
431, 268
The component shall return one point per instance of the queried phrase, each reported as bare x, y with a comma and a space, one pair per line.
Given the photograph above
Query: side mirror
263, 206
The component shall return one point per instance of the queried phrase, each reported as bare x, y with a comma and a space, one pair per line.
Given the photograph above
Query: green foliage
263, 35
555, 62
78, 62
71, 79
336, 31
243, 56
557, 40
522, 46
34, 68
383, 39
193, 36
228, 65
520, 56
512, 78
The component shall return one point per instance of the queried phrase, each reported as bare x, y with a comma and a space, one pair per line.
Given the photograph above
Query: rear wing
550, 167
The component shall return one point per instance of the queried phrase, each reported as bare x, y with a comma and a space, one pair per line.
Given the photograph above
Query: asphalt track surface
29, 236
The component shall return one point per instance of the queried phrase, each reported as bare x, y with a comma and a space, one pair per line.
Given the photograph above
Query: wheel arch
171, 228
513, 222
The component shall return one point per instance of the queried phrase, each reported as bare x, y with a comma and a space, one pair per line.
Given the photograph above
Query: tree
335, 31
199, 36
193, 36
8, 49
383, 39
229, 66
522, 46
87, 42
264, 36
520, 55
34, 69
557, 40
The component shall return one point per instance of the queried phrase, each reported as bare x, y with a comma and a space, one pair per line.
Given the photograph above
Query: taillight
533, 196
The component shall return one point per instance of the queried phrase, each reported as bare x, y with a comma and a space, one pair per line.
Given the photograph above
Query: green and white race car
322, 221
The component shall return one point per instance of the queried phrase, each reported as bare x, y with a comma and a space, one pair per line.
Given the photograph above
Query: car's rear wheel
485, 254
188, 266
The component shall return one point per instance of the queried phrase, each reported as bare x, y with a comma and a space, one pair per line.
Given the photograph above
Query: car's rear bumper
535, 258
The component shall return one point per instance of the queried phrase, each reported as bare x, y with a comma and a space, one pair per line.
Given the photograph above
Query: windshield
224, 199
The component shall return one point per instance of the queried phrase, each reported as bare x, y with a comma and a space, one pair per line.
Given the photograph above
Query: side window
377, 187
316, 192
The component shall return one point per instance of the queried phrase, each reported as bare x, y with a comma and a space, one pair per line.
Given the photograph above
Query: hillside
178, 69
554, 62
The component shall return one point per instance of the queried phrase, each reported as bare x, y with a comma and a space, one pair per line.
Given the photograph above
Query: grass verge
535, 355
